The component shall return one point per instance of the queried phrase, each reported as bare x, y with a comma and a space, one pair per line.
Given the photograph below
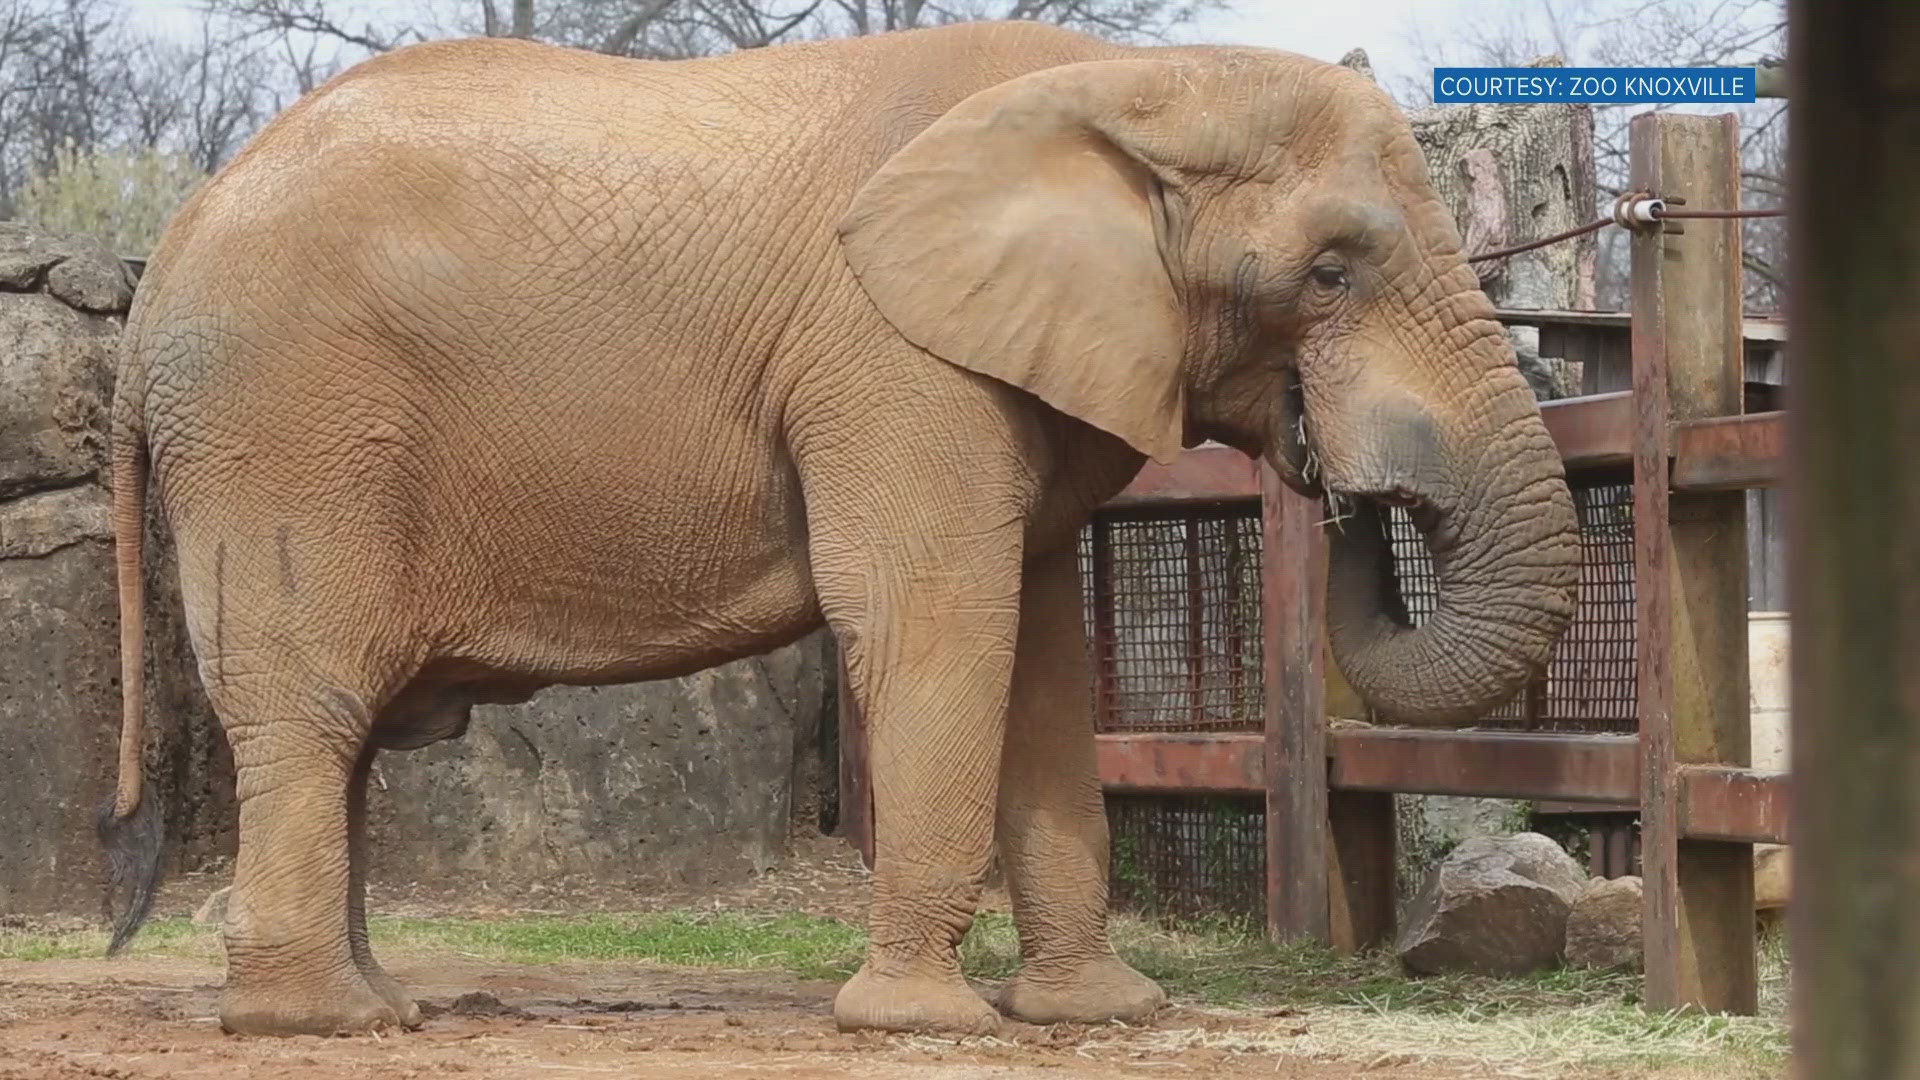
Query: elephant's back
453, 199
430, 210
483, 219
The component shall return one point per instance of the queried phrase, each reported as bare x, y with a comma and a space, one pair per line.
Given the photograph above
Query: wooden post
856, 780
1293, 600
1362, 854
1854, 504
1690, 562
1364, 840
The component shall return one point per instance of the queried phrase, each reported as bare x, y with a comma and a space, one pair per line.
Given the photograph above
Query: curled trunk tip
1505, 596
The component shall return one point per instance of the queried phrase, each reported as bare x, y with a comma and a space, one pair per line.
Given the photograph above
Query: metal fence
1173, 618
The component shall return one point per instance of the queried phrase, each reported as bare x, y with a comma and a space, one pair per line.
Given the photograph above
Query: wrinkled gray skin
490, 366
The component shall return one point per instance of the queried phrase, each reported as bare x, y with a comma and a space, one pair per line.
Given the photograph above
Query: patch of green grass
805, 945
1553, 1020
1210, 962
161, 937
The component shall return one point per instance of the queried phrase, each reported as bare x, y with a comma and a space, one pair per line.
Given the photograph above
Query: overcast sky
1326, 29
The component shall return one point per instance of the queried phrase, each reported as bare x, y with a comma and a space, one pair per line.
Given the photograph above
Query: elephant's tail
129, 826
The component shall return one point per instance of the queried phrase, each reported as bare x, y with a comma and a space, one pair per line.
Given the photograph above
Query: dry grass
1542, 1044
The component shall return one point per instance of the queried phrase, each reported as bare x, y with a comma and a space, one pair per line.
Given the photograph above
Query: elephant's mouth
1295, 458
1360, 512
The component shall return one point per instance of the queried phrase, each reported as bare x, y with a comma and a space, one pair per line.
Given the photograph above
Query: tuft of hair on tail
133, 844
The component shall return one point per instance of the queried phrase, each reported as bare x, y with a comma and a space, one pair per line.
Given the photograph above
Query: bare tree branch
310, 17
622, 38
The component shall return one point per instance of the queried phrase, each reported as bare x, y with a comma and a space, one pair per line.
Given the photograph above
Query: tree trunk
1513, 174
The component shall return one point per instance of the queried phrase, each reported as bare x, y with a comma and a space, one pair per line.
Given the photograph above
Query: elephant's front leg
927, 611
1053, 824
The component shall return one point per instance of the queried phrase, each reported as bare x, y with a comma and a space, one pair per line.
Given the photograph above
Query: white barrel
1769, 683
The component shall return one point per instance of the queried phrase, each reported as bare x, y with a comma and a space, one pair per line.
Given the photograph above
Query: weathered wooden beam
1204, 474
1690, 562
1721, 803
1729, 453
1493, 764
1600, 770
1218, 764
1363, 849
1594, 431
1855, 580
1753, 328
1293, 603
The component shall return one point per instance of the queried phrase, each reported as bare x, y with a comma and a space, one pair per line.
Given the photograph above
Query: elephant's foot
914, 1001
1093, 992
347, 1006
395, 995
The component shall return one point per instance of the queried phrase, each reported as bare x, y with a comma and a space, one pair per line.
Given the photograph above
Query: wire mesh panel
1590, 684
1184, 856
1173, 618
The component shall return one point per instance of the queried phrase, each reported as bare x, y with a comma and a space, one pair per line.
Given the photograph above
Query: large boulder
1494, 906
56, 359
1603, 929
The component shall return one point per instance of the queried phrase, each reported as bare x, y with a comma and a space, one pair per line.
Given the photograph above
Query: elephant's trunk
1505, 547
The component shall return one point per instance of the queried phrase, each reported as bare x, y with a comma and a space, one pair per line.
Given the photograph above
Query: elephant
491, 365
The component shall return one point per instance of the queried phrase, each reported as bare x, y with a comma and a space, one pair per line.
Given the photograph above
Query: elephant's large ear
1021, 238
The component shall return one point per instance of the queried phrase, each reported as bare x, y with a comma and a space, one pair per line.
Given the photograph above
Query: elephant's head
1244, 246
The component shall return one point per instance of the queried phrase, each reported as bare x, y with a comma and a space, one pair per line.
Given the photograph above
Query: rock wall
62, 302
593, 790
686, 781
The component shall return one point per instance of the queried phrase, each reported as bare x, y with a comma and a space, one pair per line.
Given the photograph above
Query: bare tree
522, 25
1644, 33
83, 91
91, 109
65, 83
679, 28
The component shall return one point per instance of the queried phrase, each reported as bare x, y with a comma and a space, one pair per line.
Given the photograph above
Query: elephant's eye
1329, 277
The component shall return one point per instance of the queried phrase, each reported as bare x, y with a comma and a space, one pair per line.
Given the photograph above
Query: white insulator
1632, 211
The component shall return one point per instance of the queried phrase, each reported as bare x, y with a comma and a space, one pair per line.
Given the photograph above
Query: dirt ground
74, 1019
149, 1017
133, 1019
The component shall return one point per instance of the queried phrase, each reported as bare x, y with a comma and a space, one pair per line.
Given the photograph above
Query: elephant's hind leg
382, 983
297, 959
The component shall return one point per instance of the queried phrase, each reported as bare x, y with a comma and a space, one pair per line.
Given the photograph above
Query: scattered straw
1527, 1046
